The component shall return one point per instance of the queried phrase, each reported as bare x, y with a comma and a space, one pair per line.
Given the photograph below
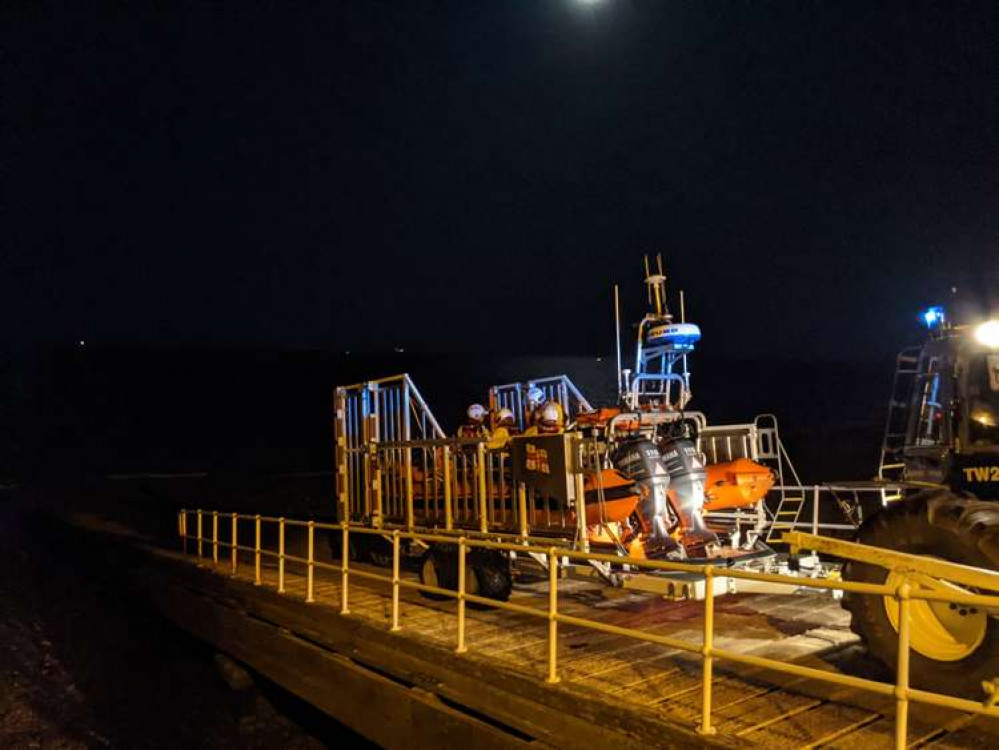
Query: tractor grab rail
903, 594
964, 575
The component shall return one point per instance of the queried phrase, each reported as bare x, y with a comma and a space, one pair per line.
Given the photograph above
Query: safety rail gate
389, 410
245, 534
395, 465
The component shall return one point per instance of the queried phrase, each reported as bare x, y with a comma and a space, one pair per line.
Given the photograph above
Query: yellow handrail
903, 594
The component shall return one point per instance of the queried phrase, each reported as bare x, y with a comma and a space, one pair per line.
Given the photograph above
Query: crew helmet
535, 396
550, 418
504, 418
477, 413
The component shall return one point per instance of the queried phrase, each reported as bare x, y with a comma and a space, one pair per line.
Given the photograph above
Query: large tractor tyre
953, 648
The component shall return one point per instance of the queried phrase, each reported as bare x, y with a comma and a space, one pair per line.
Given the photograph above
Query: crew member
475, 423
549, 419
503, 430
533, 401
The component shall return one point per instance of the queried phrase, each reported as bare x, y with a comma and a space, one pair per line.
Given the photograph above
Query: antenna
683, 314
617, 335
656, 285
648, 274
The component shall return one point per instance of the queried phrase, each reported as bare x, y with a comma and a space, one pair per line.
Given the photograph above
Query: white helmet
477, 413
535, 396
550, 417
504, 417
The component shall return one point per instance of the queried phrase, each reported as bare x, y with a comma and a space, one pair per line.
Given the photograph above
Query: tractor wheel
952, 648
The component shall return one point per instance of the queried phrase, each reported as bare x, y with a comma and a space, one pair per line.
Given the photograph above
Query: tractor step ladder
892, 465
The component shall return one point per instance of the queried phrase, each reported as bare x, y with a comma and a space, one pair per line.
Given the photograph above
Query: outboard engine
639, 461
686, 490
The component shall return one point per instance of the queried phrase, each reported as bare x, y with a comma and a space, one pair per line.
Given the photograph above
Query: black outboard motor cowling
639, 460
687, 477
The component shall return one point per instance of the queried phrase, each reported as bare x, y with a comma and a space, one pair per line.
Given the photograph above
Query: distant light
81, 342
984, 417
398, 350
987, 334
934, 317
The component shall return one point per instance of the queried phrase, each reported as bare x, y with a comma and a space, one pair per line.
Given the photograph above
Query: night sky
476, 175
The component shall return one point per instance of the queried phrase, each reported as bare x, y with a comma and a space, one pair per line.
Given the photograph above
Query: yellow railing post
395, 581
256, 551
448, 512
200, 535
480, 471
310, 574
522, 509
235, 542
707, 661
902, 670
410, 519
377, 514
182, 521
552, 616
344, 558
462, 568
281, 555
215, 538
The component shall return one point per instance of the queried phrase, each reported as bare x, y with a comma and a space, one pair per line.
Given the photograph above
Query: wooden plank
801, 729
746, 716
725, 692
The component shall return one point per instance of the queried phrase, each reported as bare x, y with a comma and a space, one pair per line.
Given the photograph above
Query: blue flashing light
933, 317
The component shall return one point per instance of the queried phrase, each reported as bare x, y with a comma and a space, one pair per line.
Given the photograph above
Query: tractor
941, 453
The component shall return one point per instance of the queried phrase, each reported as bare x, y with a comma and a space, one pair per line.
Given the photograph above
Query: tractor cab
943, 423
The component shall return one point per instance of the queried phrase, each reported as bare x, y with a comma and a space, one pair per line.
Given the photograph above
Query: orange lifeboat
736, 484
620, 497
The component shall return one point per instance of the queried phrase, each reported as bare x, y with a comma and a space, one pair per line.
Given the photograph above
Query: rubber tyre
492, 573
943, 525
443, 564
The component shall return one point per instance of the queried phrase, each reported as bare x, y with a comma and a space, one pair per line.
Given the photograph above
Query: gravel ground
85, 664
